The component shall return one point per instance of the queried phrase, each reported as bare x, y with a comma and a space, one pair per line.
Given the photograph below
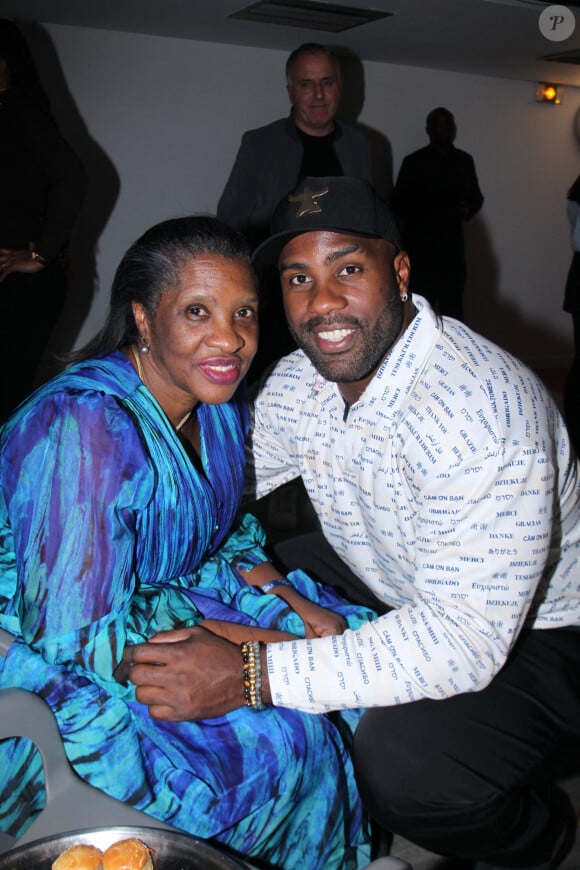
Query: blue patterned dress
108, 534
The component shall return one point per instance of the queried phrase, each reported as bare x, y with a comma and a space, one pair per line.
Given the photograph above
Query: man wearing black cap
442, 476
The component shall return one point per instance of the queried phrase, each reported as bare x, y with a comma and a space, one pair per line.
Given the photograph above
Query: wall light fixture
548, 93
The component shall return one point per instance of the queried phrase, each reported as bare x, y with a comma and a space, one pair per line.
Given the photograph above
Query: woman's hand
188, 674
18, 261
318, 621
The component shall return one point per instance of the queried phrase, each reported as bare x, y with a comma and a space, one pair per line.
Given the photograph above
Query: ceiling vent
315, 16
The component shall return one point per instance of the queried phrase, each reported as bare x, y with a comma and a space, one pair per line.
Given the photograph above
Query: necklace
137, 363
181, 423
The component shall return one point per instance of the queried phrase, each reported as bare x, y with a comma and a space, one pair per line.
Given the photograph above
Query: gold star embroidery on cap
308, 200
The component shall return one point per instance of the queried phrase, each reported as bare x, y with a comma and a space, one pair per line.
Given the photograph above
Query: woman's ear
140, 316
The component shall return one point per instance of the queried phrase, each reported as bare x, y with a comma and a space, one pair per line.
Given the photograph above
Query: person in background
120, 485
443, 477
435, 193
272, 160
310, 141
42, 184
572, 306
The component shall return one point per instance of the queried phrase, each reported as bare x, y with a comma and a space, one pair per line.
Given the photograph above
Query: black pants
472, 776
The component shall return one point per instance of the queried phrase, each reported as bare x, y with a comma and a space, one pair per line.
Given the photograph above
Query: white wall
158, 122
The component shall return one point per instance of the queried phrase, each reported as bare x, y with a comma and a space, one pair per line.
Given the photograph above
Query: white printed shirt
450, 490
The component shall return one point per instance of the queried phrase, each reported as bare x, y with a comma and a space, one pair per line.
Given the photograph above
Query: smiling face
343, 304
203, 336
314, 91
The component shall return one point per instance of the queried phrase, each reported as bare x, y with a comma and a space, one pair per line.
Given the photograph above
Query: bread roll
79, 858
129, 854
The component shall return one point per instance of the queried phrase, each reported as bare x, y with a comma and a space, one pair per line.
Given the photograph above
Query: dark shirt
42, 181
319, 156
435, 192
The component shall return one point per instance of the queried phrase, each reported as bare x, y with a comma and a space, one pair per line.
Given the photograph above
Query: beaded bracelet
252, 674
267, 587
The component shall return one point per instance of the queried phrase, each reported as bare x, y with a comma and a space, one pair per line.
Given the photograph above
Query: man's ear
402, 268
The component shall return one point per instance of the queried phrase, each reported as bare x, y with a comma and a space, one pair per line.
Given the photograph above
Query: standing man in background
436, 191
273, 159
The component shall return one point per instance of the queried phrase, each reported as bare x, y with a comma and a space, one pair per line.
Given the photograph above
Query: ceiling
488, 37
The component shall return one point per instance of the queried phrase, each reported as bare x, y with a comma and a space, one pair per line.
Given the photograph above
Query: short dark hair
152, 265
310, 48
440, 111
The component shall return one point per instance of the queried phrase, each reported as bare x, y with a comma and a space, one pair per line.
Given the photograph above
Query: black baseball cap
335, 203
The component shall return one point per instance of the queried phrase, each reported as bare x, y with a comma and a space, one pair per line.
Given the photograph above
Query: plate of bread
119, 848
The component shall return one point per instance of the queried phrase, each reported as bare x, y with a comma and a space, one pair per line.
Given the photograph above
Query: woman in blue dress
120, 484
